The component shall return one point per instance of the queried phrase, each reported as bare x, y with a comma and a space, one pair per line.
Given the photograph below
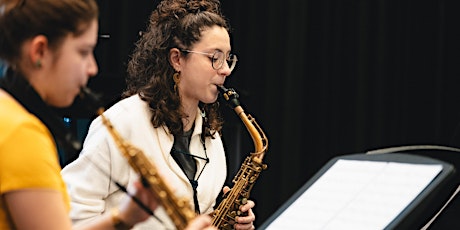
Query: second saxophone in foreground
178, 209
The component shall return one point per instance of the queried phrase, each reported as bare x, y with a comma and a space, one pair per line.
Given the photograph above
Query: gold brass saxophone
178, 210
224, 215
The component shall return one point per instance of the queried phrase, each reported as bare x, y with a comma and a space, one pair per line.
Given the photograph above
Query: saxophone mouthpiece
91, 100
229, 95
222, 89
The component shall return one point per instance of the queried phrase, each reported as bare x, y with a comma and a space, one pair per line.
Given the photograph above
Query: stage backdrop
322, 78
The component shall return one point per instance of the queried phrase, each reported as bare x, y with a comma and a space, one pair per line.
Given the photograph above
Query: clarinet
178, 209
224, 215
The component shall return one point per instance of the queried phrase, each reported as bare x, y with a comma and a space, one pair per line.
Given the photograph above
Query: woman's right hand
201, 222
130, 212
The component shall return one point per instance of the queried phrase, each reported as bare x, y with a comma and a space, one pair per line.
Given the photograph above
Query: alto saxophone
224, 215
178, 209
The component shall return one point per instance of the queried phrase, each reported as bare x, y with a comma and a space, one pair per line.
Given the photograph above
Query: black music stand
418, 211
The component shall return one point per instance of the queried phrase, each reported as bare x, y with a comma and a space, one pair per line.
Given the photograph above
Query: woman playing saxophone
170, 111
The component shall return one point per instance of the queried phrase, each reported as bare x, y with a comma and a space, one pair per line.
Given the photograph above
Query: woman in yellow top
48, 46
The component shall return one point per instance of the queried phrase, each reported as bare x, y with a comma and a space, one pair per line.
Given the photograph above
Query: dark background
322, 79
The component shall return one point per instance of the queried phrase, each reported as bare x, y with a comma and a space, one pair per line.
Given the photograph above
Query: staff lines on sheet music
356, 194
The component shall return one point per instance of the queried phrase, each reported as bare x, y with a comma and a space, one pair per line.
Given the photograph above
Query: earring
176, 80
38, 63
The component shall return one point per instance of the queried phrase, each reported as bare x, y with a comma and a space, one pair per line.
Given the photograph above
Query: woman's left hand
246, 222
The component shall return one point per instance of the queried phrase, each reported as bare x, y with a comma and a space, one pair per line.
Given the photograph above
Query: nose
92, 67
225, 69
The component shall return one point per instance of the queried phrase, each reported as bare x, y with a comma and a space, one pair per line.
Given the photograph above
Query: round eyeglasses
218, 58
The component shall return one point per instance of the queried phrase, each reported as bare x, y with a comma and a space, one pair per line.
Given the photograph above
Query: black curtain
327, 78
322, 79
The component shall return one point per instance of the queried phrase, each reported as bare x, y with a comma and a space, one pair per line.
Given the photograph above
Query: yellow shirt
28, 154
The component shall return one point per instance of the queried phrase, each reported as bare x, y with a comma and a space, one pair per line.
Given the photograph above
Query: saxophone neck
91, 100
259, 139
257, 134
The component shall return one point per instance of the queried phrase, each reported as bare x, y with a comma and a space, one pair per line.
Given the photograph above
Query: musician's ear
38, 48
175, 59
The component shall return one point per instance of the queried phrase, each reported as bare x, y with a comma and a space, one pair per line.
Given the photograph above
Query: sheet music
356, 194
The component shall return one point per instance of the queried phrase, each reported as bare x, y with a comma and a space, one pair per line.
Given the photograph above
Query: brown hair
23, 19
174, 23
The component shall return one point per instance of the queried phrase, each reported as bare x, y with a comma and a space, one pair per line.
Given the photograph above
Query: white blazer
90, 178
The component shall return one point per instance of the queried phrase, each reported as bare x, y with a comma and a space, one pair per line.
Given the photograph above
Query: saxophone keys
233, 213
162, 194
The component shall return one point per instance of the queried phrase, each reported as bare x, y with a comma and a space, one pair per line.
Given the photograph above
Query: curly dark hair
173, 24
